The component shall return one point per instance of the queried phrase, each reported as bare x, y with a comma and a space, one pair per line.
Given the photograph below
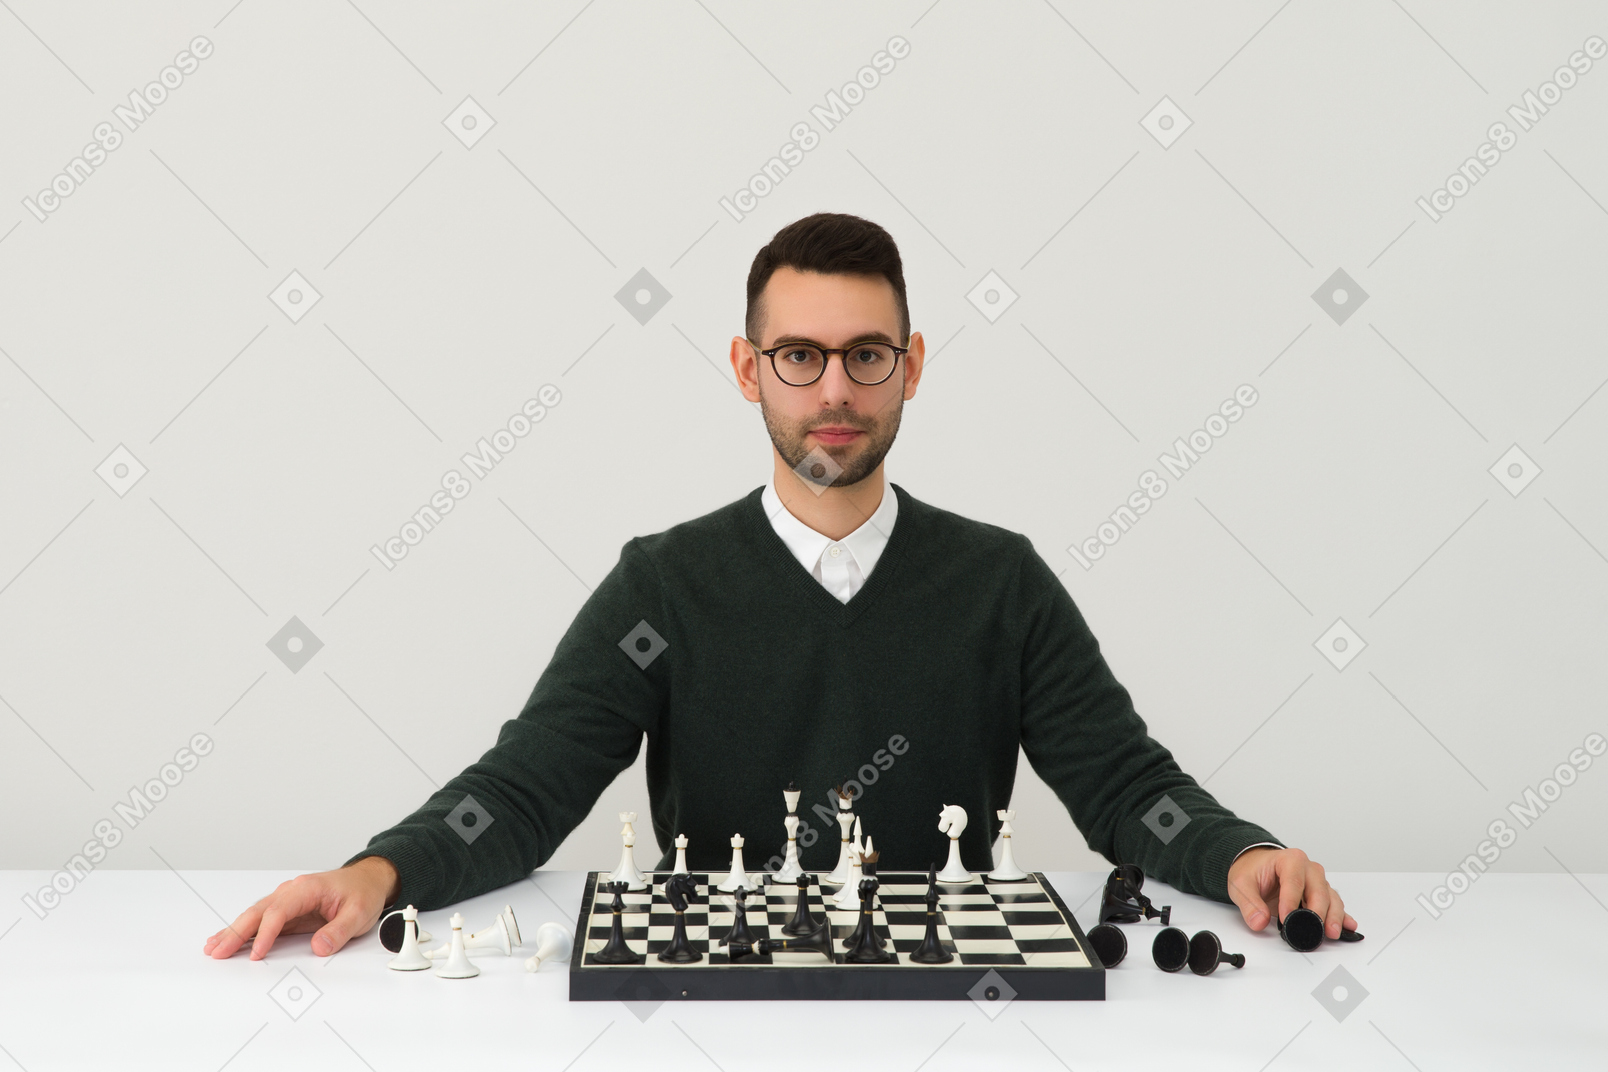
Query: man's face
852, 423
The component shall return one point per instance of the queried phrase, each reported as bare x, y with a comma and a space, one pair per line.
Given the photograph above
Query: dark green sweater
961, 646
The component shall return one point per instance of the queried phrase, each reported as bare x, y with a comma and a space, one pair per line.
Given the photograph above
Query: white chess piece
628, 872
845, 818
501, 937
738, 878
790, 870
552, 940
681, 855
458, 965
1007, 871
410, 957
952, 821
849, 895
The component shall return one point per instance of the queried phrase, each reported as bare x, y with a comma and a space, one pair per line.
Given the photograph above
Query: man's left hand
1265, 881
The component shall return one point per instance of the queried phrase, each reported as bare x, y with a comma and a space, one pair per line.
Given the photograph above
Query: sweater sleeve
582, 726
1082, 735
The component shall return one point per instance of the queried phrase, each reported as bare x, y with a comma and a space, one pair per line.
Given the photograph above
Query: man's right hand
339, 905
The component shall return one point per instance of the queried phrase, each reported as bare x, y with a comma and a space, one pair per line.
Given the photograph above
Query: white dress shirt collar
841, 566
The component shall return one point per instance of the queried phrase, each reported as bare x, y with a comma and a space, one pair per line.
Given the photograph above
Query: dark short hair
832, 243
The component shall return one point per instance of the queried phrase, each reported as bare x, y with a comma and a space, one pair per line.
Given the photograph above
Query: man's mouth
836, 434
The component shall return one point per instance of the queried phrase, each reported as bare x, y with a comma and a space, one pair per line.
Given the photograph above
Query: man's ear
745, 364
915, 364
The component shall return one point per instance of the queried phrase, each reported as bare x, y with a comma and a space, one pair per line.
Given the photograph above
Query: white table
1513, 975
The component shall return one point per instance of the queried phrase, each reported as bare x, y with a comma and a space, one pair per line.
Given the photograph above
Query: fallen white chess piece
552, 940
501, 936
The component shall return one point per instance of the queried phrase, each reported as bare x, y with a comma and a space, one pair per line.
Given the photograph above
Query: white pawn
410, 957
952, 821
681, 855
845, 818
458, 965
551, 940
628, 872
738, 878
1007, 871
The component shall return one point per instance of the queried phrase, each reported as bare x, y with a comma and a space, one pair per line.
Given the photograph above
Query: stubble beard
858, 459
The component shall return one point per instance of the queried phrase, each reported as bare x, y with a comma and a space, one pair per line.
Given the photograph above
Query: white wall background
456, 281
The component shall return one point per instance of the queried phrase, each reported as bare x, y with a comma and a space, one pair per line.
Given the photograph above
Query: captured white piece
501, 937
952, 821
458, 965
552, 941
409, 957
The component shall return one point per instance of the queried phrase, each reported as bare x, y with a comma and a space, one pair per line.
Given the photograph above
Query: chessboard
1011, 939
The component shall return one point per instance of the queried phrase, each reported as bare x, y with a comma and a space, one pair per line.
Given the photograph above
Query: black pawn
1170, 950
616, 951
1206, 953
802, 922
931, 950
1109, 943
740, 931
865, 945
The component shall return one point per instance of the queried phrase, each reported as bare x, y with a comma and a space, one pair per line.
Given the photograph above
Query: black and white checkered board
1019, 934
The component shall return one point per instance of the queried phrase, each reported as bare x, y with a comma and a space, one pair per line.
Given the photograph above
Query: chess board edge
906, 981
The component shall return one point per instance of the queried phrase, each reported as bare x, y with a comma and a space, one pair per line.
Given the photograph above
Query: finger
1335, 917
1292, 881
1318, 894
350, 920
273, 921
1251, 905
1351, 924
228, 941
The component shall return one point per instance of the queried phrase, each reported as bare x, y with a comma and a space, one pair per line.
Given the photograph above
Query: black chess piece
1170, 950
802, 922
1303, 930
1206, 953
931, 950
679, 890
817, 941
615, 951
740, 931
1109, 943
1122, 901
865, 945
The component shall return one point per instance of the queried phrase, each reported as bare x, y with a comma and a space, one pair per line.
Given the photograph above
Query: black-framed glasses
800, 364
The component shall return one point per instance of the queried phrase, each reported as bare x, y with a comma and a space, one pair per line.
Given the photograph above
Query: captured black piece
1109, 943
1206, 953
802, 922
1122, 901
931, 950
1170, 950
615, 951
678, 890
1303, 930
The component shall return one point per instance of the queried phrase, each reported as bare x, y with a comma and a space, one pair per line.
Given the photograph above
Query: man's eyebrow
870, 336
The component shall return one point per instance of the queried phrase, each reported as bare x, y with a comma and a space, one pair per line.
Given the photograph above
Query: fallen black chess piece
1303, 930
1122, 901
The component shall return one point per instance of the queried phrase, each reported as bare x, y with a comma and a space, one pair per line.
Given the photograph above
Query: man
822, 628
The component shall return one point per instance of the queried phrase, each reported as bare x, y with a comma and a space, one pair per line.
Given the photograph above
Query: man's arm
582, 726
1082, 735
